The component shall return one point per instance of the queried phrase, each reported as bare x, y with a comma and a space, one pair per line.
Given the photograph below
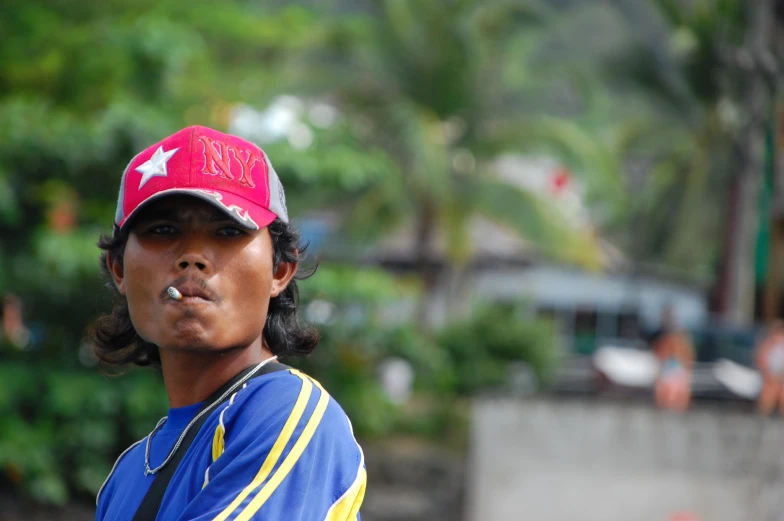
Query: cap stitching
121, 198
265, 173
191, 153
189, 191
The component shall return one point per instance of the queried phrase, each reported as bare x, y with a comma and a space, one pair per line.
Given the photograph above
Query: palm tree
445, 87
707, 78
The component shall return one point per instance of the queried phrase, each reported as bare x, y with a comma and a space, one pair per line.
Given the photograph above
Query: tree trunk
425, 263
771, 296
739, 283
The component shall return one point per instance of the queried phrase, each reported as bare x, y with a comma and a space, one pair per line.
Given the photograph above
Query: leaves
433, 91
482, 348
61, 430
426, 97
528, 215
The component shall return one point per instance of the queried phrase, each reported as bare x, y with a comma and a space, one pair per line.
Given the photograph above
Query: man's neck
192, 377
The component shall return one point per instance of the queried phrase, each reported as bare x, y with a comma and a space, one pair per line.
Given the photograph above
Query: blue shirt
280, 448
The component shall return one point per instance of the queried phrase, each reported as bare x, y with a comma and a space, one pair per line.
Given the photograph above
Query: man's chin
192, 337
196, 347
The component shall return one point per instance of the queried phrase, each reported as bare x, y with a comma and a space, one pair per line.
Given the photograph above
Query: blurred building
618, 303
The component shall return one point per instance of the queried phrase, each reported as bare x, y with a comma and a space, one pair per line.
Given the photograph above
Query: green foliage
355, 338
333, 170
60, 431
435, 94
689, 97
344, 284
430, 93
482, 348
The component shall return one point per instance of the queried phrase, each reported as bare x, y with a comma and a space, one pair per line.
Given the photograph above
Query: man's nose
193, 256
192, 259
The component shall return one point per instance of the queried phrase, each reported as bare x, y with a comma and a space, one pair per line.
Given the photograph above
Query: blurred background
549, 235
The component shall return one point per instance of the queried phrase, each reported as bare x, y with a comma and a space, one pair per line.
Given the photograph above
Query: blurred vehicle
724, 367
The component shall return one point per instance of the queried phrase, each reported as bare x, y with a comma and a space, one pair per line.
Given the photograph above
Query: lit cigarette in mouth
173, 293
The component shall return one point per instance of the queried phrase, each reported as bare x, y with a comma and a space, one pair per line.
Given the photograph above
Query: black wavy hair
116, 341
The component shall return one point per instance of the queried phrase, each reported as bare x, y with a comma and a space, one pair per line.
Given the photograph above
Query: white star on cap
155, 166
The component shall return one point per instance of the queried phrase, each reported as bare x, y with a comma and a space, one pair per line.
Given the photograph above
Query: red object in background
62, 217
683, 516
12, 315
560, 180
13, 327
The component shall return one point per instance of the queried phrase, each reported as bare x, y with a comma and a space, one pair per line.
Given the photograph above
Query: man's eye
230, 231
163, 229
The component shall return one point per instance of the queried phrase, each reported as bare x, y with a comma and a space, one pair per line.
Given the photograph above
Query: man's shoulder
131, 459
277, 397
131, 456
271, 392
278, 412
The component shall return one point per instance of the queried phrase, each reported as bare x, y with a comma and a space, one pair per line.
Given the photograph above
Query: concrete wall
561, 460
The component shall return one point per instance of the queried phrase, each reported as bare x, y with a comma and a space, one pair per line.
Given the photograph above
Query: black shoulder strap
148, 509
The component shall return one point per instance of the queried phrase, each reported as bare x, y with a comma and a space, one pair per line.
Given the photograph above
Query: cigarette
173, 293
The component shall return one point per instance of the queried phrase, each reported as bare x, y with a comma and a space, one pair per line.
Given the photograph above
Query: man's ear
282, 277
116, 271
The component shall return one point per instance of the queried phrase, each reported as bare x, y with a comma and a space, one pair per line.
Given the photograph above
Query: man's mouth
192, 292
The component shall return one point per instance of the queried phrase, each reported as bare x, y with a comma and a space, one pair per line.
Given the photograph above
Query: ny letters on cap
227, 171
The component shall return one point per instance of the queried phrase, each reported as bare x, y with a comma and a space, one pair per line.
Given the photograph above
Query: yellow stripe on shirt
217, 442
293, 456
277, 449
347, 507
220, 432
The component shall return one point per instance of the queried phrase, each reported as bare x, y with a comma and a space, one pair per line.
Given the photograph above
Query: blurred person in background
769, 357
204, 260
666, 324
14, 328
673, 348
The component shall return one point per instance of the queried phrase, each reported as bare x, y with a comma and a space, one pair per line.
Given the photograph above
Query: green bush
62, 429
481, 349
346, 364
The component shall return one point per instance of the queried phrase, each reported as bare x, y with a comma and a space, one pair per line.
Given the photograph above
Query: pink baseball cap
227, 171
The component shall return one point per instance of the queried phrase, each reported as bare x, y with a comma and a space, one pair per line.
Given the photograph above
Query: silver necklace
208, 409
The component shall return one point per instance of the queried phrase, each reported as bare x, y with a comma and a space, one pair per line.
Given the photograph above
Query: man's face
224, 272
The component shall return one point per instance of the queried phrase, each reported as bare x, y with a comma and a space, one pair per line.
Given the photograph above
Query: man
203, 261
